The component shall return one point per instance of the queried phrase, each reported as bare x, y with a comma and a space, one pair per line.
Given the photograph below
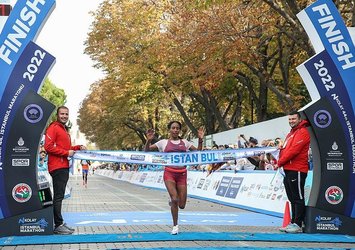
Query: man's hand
82, 147
71, 152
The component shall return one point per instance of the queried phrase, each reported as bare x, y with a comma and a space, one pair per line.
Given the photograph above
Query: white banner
174, 159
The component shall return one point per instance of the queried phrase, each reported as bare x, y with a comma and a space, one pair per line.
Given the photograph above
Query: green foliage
53, 94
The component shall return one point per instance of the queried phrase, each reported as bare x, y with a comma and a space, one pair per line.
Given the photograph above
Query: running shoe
294, 229
175, 230
62, 230
70, 228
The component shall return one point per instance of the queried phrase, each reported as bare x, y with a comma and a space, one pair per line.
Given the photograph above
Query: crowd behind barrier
262, 162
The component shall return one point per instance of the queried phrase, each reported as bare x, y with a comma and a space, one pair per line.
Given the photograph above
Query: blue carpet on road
164, 236
234, 247
164, 218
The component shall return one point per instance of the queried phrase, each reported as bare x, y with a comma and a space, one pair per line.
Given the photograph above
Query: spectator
42, 161
244, 164
294, 160
59, 149
257, 161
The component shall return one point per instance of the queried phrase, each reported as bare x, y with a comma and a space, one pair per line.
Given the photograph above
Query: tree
213, 63
53, 94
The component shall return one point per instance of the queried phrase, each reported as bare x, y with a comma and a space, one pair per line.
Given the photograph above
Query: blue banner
22, 26
28, 74
330, 74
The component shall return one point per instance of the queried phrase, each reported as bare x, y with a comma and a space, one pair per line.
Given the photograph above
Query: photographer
251, 143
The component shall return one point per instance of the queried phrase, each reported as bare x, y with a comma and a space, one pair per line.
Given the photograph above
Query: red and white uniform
171, 173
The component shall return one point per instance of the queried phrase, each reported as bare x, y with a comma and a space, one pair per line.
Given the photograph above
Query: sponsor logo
334, 152
138, 157
200, 184
32, 225
22, 192
20, 142
159, 159
327, 223
121, 157
20, 162
258, 153
335, 166
33, 113
322, 118
334, 195
227, 156
20, 148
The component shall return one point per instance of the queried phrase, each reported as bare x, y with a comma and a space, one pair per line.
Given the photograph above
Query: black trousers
60, 179
294, 186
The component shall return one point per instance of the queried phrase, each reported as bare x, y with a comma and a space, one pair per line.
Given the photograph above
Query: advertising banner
34, 64
20, 191
23, 116
328, 76
252, 190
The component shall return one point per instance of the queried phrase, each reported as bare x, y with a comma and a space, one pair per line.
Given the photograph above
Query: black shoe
62, 230
70, 228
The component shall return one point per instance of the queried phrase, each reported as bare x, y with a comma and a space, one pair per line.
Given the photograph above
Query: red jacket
294, 154
57, 144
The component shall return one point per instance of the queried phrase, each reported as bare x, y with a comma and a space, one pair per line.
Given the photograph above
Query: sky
63, 36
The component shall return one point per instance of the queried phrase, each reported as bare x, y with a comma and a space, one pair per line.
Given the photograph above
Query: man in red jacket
59, 148
294, 160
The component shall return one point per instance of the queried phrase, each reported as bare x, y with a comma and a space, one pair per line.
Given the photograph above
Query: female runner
174, 177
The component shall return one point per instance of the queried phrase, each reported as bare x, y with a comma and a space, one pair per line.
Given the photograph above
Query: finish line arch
329, 76
24, 114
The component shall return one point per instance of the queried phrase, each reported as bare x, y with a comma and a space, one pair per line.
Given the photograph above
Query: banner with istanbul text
174, 159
